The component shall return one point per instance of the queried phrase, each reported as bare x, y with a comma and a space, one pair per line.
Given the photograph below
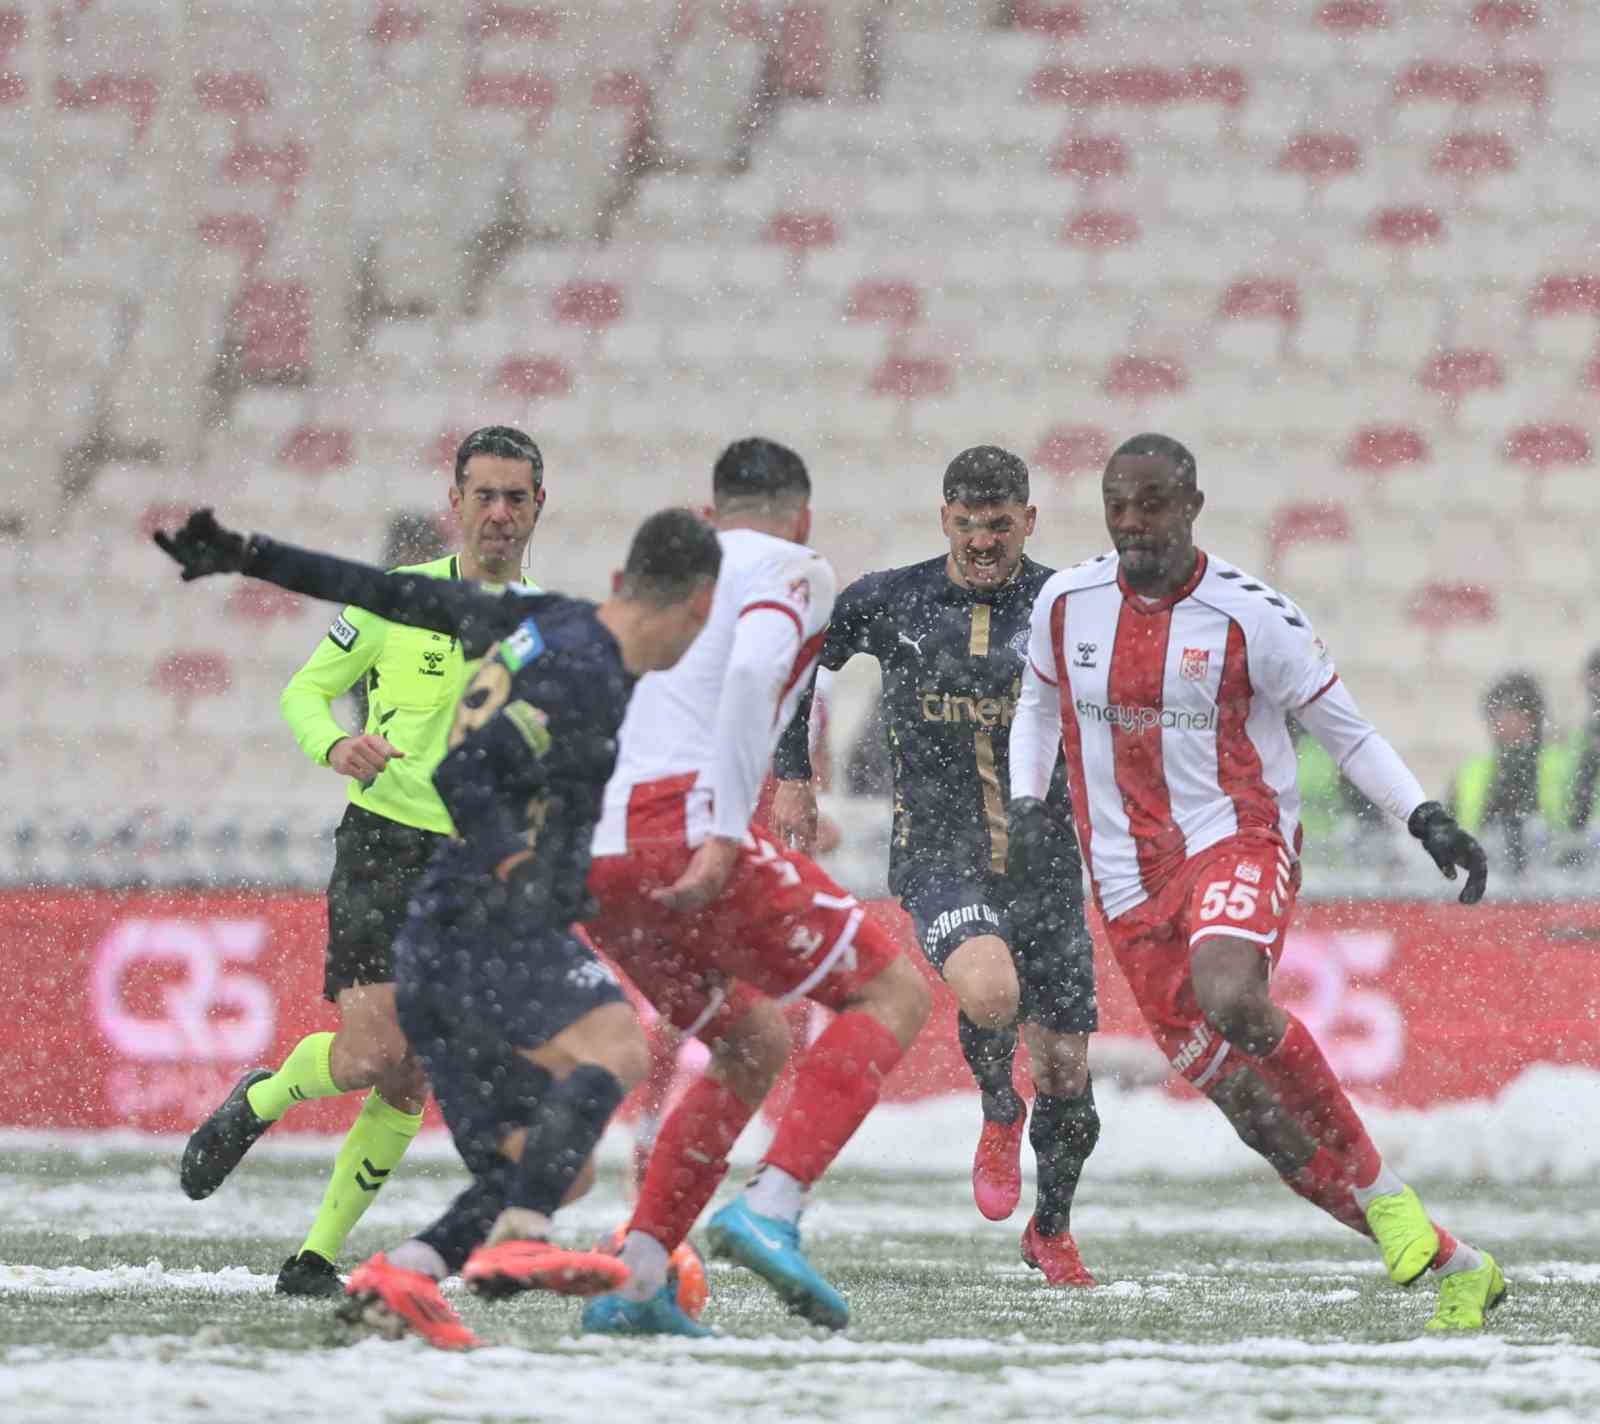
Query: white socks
1463, 1258
773, 1192
1385, 1184
647, 1259
420, 1257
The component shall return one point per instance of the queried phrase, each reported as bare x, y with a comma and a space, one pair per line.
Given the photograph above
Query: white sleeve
766, 643
1288, 661
1362, 754
1036, 728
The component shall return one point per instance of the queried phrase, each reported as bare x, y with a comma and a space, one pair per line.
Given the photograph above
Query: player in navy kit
951, 636
527, 1038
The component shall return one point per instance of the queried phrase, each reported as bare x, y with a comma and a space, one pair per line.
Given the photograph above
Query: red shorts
1244, 886
781, 928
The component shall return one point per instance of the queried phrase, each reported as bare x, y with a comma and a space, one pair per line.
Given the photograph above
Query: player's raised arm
1300, 676
203, 547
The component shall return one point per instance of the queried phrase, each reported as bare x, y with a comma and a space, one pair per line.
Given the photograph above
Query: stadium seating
279, 268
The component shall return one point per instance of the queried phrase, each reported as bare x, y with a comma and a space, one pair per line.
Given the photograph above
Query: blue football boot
771, 1249
660, 1315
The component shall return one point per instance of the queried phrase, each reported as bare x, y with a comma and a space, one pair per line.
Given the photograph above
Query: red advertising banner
141, 1010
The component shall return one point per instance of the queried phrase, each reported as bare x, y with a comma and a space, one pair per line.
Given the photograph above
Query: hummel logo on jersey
432, 664
1148, 719
915, 644
1194, 664
1086, 652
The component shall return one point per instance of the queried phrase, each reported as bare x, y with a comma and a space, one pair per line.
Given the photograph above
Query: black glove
204, 547
1030, 853
1450, 846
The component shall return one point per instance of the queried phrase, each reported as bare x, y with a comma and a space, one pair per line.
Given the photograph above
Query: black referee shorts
377, 864
1047, 935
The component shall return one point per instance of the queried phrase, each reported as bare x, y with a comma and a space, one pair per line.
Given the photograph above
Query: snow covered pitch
1223, 1297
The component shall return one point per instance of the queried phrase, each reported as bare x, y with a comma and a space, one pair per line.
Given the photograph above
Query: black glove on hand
1450, 846
204, 547
1031, 847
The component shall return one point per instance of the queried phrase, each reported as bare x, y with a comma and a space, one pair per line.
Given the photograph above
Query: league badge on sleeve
344, 632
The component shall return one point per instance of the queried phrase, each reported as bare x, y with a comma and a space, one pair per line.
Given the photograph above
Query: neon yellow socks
303, 1076
373, 1147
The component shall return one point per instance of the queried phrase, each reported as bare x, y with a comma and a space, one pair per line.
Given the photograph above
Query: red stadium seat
244, 233
167, 515
1438, 605
1306, 524
1140, 378
499, 21
1405, 226
1344, 17
13, 90
136, 94
1454, 375
1099, 228
1499, 18
270, 327
1261, 299
13, 31
801, 231
189, 675
531, 95
237, 94
1059, 21
1474, 155
1382, 448
1566, 294
588, 304
1441, 81
910, 378
531, 378
316, 449
1073, 450
890, 302
1543, 447
1319, 156
621, 89
803, 53
1090, 157
282, 165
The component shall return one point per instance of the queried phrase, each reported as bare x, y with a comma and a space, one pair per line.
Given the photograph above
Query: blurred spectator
1582, 769
1332, 810
1519, 787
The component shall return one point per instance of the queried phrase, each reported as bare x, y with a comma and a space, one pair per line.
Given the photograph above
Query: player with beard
1167, 677
950, 636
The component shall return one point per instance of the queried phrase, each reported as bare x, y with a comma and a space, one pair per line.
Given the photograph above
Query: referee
395, 819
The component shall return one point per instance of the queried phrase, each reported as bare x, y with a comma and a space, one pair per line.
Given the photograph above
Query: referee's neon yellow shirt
414, 680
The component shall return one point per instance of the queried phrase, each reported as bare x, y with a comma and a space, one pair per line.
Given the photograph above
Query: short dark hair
503, 440
673, 551
760, 470
1516, 692
1165, 447
986, 474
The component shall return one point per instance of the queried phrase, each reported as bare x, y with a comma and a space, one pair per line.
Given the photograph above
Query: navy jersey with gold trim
952, 661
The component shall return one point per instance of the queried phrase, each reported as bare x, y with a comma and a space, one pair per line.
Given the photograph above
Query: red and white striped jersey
717, 715
1172, 716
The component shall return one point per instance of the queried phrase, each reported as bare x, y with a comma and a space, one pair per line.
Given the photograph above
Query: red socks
689, 1161
836, 1084
1309, 1091
1323, 1182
